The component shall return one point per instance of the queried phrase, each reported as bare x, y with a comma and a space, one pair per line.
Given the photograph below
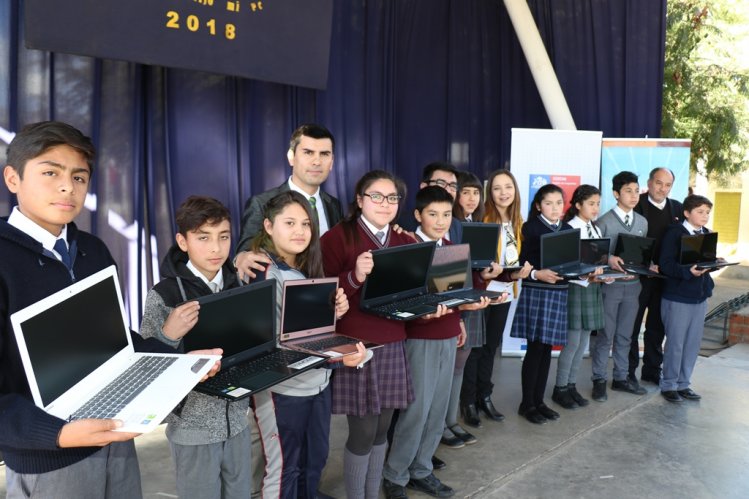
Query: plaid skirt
475, 322
541, 315
383, 383
585, 307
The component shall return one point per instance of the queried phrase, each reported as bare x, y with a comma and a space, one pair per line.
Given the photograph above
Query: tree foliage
706, 82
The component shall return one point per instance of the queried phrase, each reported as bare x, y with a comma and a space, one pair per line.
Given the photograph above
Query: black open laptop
308, 319
560, 252
701, 250
483, 240
637, 253
451, 277
242, 321
397, 286
596, 252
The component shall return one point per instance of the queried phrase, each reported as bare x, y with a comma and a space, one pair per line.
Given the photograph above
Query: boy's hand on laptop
697, 272
209, 351
491, 271
616, 263
655, 268
341, 303
355, 358
92, 433
364, 265
181, 320
462, 336
247, 261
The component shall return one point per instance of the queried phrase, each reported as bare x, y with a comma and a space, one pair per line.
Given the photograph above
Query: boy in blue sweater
49, 168
683, 303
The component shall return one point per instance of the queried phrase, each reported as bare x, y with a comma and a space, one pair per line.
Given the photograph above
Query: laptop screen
635, 250
235, 320
308, 307
398, 270
71, 339
698, 248
483, 240
450, 269
560, 248
595, 251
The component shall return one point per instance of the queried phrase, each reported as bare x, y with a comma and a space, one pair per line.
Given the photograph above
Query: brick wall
738, 327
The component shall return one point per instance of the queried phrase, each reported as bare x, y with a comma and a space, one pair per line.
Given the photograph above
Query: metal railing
724, 310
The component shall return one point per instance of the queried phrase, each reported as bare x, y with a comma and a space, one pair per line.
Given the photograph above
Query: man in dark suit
310, 155
660, 212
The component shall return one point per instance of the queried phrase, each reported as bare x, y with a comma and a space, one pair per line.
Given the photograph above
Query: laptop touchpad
261, 380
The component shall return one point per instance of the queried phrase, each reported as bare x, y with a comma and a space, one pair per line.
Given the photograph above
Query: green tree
705, 94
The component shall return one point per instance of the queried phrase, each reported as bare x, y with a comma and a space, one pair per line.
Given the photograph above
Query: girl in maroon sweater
368, 396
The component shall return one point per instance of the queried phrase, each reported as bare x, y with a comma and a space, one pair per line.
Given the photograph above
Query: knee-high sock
355, 473
374, 473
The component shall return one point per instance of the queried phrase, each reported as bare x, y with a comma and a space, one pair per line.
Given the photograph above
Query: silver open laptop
80, 363
308, 319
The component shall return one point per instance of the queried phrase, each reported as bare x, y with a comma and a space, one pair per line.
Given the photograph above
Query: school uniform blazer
681, 286
252, 218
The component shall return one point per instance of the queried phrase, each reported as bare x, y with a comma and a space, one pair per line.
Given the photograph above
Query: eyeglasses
379, 198
450, 186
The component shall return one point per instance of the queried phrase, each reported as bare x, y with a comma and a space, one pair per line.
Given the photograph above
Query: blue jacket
681, 286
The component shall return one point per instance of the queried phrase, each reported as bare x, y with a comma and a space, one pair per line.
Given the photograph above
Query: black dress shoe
689, 394
486, 406
629, 386
393, 490
547, 412
431, 485
581, 401
466, 437
532, 415
672, 396
599, 390
454, 442
470, 415
563, 397
438, 464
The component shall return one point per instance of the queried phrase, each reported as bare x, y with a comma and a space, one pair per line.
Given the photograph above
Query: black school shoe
470, 415
672, 396
532, 415
629, 386
431, 485
581, 401
393, 490
689, 394
460, 432
547, 412
563, 397
599, 390
438, 464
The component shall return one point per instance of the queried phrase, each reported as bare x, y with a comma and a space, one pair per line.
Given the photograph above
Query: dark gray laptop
451, 276
560, 252
637, 253
701, 250
242, 321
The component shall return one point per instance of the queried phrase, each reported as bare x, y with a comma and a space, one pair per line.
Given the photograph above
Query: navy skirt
541, 315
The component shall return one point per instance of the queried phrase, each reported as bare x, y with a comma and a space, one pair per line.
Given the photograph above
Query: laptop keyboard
327, 343
407, 303
124, 388
280, 359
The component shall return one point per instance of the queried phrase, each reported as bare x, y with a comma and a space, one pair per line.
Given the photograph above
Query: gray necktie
380, 235
591, 235
626, 219
313, 205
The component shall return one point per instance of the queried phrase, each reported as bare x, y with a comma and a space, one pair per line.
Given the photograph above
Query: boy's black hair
695, 201
432, 194
34, 139
428, 171
197, 211
311, 130
623, 178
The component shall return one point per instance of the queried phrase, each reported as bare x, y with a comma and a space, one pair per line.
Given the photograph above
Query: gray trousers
684, 324
620, 305
110, 473
571, 356
419, 428
214, 471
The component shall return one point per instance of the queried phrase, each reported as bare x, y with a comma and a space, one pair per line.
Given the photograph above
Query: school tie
626, 220
380, 235
313, 205
214, 287
591, 235
62, 249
